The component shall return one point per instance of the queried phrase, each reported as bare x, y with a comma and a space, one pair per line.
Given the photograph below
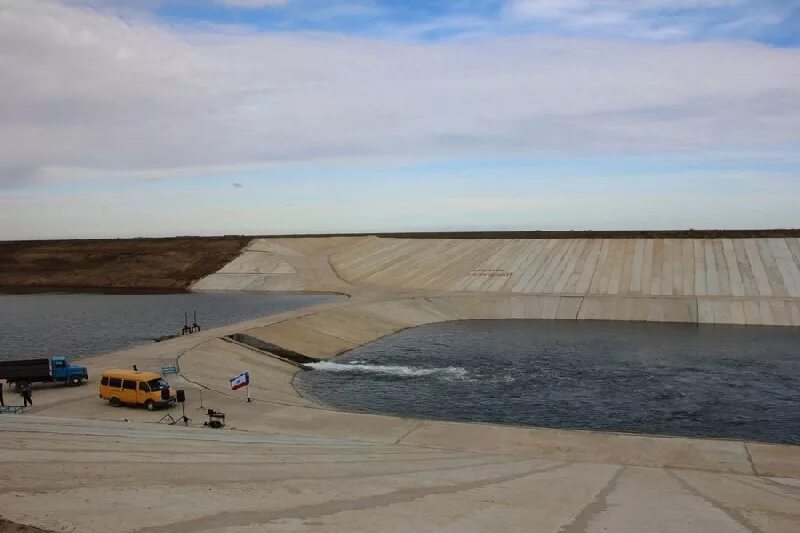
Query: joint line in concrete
733, 514
409, 432
750, 459
581, 522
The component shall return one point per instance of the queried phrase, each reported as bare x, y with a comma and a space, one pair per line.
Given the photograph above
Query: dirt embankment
169, 264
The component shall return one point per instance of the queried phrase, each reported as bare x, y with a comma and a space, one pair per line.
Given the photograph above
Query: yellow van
132, 387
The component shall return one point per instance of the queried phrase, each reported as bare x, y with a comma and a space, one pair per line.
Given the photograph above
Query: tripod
167, 417
185, 419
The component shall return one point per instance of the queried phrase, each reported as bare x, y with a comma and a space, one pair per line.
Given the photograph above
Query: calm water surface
81, 325
711, 381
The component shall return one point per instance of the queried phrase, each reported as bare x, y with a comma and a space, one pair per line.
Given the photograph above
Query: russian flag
242, 380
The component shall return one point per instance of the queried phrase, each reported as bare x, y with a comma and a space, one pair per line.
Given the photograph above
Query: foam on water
389, 370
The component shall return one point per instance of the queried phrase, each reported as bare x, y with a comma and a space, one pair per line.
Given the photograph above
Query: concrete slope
722, 281
277, 265
94, 476
646, 267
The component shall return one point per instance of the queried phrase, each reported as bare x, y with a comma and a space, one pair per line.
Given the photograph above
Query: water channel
673, 379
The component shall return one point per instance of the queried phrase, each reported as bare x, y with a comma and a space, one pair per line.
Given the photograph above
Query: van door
128, 393
114, 389
142, 392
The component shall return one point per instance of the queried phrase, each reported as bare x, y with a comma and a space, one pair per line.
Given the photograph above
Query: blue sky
773, 22
268, 116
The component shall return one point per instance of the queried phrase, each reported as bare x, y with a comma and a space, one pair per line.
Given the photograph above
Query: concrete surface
283, 463
73, 463
79, 475
719, 281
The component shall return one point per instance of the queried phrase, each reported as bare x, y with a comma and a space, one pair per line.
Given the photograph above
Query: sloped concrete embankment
711, 281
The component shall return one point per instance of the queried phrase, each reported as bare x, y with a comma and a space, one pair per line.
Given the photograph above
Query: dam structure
286, 463
397, 283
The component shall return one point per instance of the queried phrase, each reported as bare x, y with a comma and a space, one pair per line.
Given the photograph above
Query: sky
210, 117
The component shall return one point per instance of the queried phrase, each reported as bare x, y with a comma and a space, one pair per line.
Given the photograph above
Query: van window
115, 382
104, 381
143, 386
158, 384
128, 384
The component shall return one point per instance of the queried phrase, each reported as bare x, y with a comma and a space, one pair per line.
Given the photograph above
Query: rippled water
80, 325
675, 379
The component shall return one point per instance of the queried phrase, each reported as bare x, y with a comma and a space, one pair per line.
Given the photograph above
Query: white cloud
651, 19
85, 93
556, 9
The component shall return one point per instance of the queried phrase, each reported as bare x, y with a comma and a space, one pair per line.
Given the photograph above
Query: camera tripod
169, 419
183, 418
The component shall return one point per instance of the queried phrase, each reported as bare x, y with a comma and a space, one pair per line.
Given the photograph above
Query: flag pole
247, 385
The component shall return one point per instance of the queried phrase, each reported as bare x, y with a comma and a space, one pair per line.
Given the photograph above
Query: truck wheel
150, 405
115, 401
75, 381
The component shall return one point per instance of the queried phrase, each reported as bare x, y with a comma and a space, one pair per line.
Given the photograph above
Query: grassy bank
169, 264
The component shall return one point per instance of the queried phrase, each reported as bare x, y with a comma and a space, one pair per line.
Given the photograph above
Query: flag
242, 380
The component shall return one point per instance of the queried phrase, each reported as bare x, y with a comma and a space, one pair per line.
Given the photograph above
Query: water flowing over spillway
675, 379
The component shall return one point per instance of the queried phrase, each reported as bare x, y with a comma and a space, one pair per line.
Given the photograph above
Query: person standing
2, 403
25, 390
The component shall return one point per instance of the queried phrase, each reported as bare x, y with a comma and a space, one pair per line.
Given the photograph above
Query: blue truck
55, 369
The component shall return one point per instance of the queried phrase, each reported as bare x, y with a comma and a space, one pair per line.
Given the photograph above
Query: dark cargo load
25, 368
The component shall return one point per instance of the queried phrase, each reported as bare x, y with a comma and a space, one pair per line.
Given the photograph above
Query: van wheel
150, 405
75, 381
115, 401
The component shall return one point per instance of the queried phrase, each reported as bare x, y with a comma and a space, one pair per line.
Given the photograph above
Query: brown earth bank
126, 265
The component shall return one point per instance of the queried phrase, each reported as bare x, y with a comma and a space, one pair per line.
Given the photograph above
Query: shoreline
135, 291
300, 454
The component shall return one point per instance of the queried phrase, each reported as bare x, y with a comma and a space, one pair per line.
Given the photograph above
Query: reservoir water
81, 325
673, 379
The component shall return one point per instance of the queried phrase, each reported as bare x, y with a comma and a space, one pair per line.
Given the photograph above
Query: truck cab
67, 373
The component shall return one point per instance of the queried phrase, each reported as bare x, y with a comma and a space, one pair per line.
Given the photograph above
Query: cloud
89, 94
653, 19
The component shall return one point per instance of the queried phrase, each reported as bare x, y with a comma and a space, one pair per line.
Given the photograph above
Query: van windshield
157, 384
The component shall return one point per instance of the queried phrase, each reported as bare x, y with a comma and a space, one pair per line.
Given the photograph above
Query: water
673, 379
81, 325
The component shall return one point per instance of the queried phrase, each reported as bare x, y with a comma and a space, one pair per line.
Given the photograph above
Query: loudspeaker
165, 394
181, 395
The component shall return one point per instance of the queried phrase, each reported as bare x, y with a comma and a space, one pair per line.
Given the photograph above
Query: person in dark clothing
2, 403
25, 390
